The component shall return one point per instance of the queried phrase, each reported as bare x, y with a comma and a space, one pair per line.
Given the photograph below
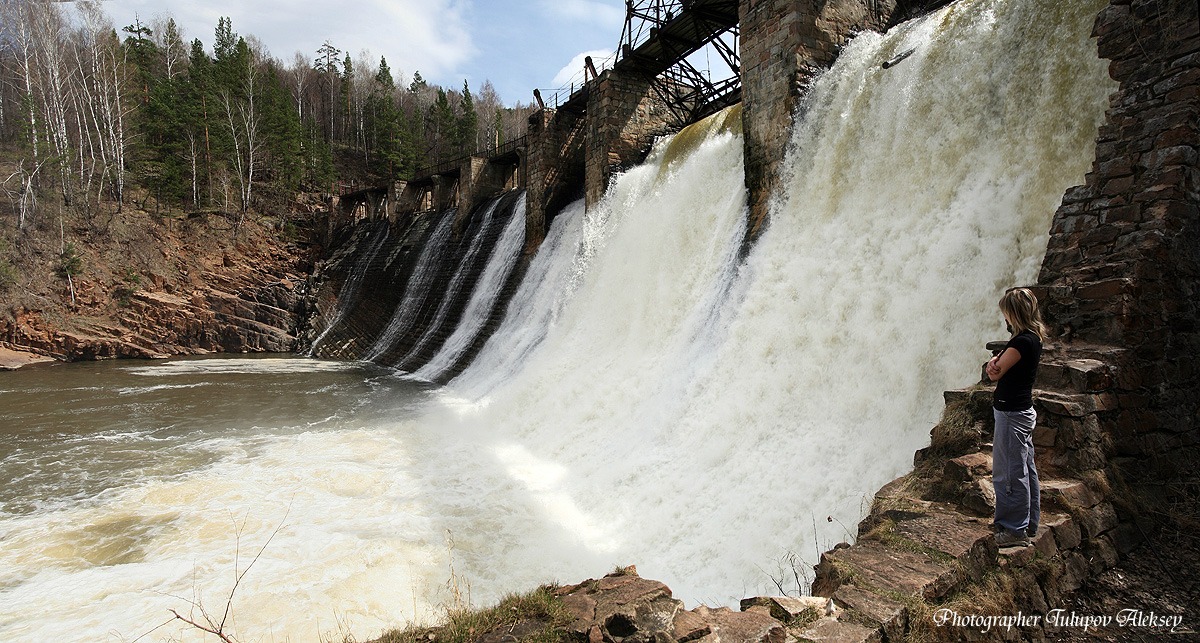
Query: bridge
653, 86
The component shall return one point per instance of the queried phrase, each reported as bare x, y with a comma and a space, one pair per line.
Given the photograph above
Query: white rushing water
457, 282
500, 265
647, 400
417, 288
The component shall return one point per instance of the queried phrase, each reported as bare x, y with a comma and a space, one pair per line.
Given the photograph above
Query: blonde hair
1020, 308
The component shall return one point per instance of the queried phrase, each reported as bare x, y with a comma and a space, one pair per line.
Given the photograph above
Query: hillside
144, 283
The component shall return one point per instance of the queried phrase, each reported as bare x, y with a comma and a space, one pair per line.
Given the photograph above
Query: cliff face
147, 286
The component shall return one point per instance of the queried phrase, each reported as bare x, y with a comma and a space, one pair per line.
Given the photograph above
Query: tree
174, 52
238, 94
282, 131
418, 84
388, 131
326, 65
441, 127
467, 123
347, 87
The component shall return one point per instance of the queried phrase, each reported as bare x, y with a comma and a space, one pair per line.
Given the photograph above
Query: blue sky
516, 44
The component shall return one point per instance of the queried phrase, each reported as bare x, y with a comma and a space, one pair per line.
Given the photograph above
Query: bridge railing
490, 153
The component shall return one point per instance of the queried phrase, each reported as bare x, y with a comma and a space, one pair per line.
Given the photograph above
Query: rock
968, 467
789, 608
891, 617
621, 606
690, 626
1097, 520
1043, 540
1067, 494
1066, 532
11, 360
968, 542
828, 630
905, 572
1060, 404
727, 625
979, 497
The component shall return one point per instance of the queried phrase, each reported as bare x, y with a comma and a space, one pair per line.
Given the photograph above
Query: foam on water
241, 366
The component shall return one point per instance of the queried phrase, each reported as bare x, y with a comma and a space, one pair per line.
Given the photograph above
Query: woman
1014, 475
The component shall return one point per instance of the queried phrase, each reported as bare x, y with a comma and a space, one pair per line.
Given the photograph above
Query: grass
885, 532
537, 616
958, 432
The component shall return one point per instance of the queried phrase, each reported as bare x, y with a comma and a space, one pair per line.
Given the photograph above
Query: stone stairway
925, 554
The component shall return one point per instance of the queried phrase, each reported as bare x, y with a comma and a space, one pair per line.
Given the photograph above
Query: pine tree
282, 132
441, 127
466, 124
346, 110
417, 83
386, 123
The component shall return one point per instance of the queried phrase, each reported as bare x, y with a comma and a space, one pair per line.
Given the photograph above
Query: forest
97, 118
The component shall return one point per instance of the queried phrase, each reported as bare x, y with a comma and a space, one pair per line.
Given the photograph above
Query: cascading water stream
455, 289
712, 442
647, 400
349, 293
416, 290
500, 265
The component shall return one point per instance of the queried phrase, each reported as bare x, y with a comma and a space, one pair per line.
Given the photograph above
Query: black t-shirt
1014, 391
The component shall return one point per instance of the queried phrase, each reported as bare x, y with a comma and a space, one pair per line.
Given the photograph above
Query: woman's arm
998, 366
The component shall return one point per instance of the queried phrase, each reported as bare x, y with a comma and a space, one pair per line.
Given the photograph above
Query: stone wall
1122, 269
625, 115
554, 169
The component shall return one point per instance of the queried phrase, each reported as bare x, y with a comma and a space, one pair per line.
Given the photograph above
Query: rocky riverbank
146, 286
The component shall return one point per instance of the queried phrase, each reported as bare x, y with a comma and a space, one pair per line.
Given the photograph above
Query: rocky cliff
148, 286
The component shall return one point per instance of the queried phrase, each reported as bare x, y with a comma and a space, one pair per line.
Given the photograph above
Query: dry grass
537, 616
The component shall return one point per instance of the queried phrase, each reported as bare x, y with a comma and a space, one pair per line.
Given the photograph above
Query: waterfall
416, 290
533, 309
666, 406
349, 293
652, 396
462, 284
484, 298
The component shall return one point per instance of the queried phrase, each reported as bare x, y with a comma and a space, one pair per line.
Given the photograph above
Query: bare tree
170, 43
46, 26
243, 122
102, 70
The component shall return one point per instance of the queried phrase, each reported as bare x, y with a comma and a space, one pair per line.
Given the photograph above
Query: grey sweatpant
1014, 475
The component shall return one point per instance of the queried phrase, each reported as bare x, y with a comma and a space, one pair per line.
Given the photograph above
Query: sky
516, 44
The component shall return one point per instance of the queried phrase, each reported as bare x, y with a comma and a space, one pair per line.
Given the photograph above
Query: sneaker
1006, 539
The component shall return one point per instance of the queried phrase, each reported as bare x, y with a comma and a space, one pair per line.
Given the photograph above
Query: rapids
650, 398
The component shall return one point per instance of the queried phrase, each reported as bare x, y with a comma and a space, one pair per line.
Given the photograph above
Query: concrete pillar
520, 177
625, 115
554, 169
396, 204
539, 134
445, 192
784, 44
470, 191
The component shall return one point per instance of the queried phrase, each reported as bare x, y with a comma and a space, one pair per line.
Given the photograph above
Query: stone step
1074, 375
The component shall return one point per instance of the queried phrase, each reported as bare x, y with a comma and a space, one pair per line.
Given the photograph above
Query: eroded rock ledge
251, 302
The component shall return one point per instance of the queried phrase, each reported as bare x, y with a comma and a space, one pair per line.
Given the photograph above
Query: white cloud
426, 35
573, 71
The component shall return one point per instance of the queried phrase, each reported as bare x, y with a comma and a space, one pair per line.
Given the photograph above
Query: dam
714, 347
